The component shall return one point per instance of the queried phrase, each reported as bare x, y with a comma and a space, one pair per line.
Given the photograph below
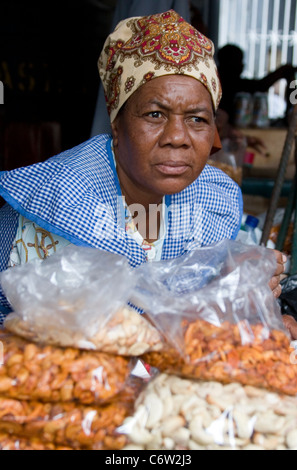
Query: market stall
208, 365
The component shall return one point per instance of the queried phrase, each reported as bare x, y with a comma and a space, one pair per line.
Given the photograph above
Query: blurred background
49, 53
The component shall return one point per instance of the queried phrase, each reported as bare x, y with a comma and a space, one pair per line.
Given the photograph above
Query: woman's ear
115, 125
115, 132
217, 144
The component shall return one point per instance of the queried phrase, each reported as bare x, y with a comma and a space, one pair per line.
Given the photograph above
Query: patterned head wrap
143, 48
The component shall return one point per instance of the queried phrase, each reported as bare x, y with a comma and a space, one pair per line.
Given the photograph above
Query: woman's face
164, 135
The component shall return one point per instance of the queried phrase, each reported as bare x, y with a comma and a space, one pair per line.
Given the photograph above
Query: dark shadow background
48, 65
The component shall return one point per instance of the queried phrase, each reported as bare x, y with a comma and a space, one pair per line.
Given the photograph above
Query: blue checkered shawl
76, 195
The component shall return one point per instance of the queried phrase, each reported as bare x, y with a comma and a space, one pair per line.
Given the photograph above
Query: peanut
64, 424
53, 374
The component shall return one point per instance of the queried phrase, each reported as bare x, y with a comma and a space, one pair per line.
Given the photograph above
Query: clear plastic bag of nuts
55, 398
220, 318
11, 442
78, 298
65, 424
173, 413
50, 374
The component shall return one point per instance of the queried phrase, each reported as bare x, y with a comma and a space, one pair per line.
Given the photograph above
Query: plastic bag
77, 298
49, 374
179, 414
53, 398
126, 333
227, 281
11, 442
227, 330
65, 424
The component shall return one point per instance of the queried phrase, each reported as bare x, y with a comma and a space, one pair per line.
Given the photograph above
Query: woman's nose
175, 132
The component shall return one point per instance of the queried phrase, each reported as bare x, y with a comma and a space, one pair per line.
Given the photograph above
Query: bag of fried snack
220, 318
78, 298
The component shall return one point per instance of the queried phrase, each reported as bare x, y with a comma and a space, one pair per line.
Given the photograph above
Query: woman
146, 192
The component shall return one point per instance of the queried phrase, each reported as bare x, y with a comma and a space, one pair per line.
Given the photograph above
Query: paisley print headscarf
143, 48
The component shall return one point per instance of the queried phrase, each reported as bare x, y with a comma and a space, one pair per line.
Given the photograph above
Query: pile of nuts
243, 353
125, 333
17, 443
46, 373
128, 333
225, 387
65, 424
63, 397
180, 414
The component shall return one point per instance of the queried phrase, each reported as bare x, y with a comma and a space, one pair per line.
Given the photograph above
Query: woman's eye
198, 119
155, 114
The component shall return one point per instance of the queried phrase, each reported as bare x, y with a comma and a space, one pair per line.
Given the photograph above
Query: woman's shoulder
212, 174
211, 184
64, 182
77, 166
217, 183
84, 154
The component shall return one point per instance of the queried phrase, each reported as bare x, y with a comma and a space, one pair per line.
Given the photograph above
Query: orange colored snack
242, 353
10, 442
52, 374
65, 424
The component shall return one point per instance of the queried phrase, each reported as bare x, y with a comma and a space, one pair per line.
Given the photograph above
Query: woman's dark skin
163, 138
291, 324
274, 284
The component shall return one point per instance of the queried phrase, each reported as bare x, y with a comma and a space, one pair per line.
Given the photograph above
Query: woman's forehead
173, 89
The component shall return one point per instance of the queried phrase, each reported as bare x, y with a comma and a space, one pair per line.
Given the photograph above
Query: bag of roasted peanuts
65, 424
51, 374
54, 398
174, 413
219, 317
11, 442
78, 298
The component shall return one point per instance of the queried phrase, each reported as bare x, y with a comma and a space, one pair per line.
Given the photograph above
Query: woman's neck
144, 207
136, 194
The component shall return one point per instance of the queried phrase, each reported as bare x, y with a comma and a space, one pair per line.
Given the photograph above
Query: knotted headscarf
143, 48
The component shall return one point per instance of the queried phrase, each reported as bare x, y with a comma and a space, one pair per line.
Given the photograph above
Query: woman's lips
172, 168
